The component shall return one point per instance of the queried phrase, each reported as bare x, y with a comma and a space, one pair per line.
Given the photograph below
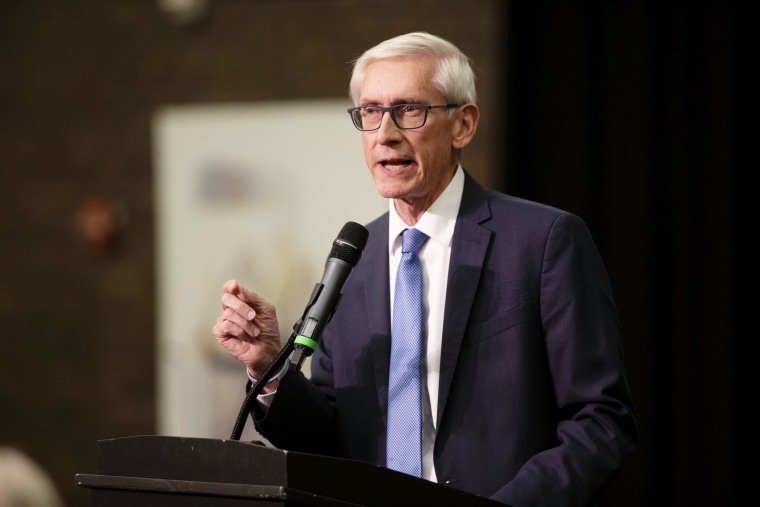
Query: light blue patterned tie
404, 437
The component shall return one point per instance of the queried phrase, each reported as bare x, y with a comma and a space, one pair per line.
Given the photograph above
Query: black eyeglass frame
390, 109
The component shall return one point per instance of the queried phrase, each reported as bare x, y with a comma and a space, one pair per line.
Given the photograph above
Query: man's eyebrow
394, 103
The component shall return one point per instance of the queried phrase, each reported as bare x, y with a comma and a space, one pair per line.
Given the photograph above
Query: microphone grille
350, 243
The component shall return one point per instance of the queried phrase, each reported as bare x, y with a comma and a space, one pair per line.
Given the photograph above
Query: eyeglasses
405, 116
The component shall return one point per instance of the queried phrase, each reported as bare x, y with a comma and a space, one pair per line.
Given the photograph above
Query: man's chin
388, 189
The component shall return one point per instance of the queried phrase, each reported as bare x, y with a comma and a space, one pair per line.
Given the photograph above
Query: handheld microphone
346, 251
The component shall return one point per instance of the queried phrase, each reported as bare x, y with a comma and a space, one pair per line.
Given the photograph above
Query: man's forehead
399, 80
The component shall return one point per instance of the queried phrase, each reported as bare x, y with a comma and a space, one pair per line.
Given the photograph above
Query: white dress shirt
438, 223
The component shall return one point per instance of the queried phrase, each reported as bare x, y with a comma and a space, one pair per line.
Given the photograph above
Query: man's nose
387, 124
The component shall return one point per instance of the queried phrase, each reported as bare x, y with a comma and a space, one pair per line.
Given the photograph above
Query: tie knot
412, 240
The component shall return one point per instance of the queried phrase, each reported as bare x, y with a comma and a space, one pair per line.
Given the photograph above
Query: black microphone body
345, 254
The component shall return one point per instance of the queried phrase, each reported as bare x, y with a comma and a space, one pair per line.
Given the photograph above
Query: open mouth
395, 165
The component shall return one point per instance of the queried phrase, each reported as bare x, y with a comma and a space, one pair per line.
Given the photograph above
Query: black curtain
642, 117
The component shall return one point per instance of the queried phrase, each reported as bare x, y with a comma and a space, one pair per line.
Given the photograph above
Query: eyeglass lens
405, 116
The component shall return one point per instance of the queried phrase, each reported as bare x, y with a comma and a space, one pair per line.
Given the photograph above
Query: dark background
640, 116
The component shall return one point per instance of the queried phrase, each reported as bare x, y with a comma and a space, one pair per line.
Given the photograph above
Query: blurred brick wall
78, 87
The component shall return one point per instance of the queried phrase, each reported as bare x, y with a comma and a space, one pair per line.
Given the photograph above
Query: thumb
233, 287
250, 297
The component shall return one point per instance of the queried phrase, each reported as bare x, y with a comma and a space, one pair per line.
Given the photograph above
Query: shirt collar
438, 221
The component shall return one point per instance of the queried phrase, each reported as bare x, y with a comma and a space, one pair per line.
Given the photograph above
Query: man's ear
465, 125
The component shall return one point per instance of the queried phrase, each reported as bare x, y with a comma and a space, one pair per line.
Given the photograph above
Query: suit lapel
377, 296
468, 251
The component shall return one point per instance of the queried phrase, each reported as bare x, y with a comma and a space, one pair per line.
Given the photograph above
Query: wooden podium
149, 471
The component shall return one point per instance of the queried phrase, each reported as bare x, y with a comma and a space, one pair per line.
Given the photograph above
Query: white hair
454, 76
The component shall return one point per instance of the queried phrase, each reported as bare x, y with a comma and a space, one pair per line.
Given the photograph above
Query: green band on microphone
307, 342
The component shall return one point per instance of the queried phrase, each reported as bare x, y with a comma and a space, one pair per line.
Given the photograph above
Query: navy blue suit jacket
534, 407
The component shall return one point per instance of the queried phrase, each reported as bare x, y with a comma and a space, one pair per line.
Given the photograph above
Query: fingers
247, 326
244, 320
233, 304
248, 310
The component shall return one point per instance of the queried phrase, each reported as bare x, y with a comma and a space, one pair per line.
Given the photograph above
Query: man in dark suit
524, 395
